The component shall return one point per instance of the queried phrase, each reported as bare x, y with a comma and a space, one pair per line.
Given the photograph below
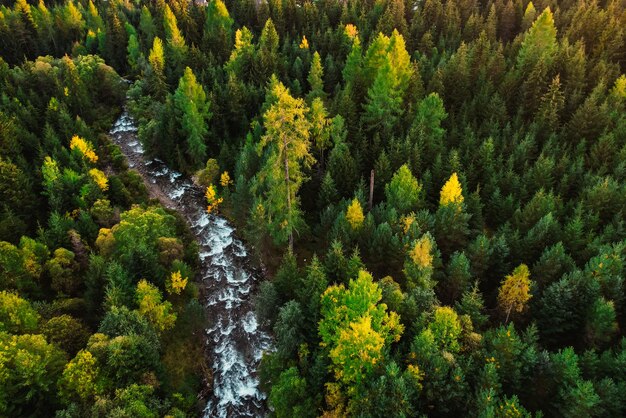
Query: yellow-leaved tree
85, 148
176, 283
421, 254
213, 200
100, 179
354, 214
514, 292
305, 43
225, 179
158, 313
356, 327
451, 192
80, 377
418, 266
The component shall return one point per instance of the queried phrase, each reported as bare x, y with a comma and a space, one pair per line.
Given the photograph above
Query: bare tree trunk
288, 195
371, 190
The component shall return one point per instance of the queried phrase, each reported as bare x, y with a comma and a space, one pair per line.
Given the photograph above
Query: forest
436, 190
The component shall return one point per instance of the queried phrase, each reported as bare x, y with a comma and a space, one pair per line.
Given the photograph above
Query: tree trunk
288, 195
371, 190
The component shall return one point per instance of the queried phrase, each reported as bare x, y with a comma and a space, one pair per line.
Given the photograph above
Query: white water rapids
236, 342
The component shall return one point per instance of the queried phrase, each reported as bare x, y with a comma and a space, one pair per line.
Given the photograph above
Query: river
236, 343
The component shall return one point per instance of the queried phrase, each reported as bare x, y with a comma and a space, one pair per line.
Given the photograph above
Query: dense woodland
438, 190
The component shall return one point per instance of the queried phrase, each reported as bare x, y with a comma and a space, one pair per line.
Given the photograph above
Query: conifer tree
316, 79
268, 50
176, 44
156, 77
286, 144
218, 29
403, 192
552, 103
354, 214
321, 128
147, 26
194, 107
451, 219
515, 291
384, 101
539, 43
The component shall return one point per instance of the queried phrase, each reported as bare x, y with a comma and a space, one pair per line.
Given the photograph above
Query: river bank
236, 342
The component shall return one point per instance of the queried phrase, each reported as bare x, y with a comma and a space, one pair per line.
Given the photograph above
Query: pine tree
241, 59
133, 52
427, 128
316, 79
514, 293
529, 16
177, 48
539, 42
320, 128
451, 192
354, 214
352, 69
116, 37
218, 29
268, 50
286, 145
147, 26
418, 266
28, 27
191, 102
156, 78
384, 102
552, 103
403, 192
451, 219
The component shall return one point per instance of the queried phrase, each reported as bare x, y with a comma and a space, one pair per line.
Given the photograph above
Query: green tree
30, 368
289, 396
403, 192
383, 107
175, 40
192, 104
62, 269
288, 329
357, 329
147, 26
316, 79
601, 324
436, 351
158, 313
241, 60
156, 78
286, 144
539, 43
18, 271
16, 314
80, 378
321, 127
427, 127
458, 276
133, 52
268, 50
67, 332
218, 29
